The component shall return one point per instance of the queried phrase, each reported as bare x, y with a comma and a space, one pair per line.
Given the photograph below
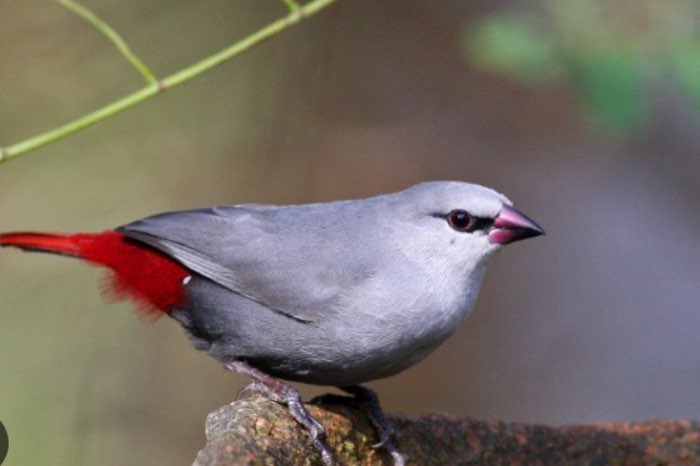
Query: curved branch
179, 77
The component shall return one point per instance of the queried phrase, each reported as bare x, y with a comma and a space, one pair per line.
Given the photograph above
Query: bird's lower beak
511, 225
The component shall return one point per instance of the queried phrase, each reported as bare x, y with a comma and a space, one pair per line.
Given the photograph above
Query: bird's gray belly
337, 350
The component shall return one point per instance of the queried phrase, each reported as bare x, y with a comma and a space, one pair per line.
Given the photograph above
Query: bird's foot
388, 434
282, 393
258, 388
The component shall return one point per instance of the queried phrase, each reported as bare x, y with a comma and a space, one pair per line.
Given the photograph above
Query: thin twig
113, 37
171, 81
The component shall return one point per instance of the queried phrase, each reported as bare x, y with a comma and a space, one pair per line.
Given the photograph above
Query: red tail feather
140, 273
44, 242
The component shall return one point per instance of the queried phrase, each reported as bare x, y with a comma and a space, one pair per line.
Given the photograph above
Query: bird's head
461, 223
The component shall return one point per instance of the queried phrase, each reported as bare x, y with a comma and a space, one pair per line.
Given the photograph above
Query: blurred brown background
597, 321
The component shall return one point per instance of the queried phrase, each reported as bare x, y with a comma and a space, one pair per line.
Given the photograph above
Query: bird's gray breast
398, 320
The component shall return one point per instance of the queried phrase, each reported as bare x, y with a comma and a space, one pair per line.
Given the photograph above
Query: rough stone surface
257, 431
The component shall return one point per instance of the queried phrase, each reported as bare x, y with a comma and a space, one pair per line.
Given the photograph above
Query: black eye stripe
476, 223
482, 223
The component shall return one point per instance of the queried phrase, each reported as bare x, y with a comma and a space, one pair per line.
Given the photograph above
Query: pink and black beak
511, 225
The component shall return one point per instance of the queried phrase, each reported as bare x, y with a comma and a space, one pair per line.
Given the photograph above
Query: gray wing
297, 260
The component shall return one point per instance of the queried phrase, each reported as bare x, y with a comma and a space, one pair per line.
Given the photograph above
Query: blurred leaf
684, 64
610, 84
605, 50
511, 45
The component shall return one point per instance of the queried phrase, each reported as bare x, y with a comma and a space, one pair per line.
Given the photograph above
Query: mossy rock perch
257, 431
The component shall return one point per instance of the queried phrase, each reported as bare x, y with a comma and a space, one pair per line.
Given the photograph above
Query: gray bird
336, 293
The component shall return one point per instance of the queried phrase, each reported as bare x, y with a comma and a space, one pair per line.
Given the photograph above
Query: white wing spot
186, 280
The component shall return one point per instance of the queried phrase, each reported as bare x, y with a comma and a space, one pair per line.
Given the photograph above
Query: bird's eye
460, 220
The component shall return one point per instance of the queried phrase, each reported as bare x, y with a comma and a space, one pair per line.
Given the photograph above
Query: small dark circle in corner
4, 443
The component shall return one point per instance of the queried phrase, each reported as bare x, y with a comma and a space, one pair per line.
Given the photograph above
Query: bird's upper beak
511, 225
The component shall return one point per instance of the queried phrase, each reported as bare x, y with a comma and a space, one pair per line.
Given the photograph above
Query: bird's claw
282, 393
387, 433
252, 387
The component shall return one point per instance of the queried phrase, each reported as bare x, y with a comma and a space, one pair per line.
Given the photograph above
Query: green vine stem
113, 37
159, 86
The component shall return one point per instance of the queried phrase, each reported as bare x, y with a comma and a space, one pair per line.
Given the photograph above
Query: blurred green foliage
610, 53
